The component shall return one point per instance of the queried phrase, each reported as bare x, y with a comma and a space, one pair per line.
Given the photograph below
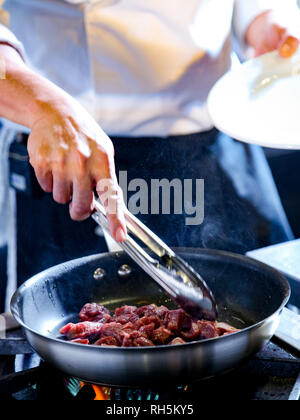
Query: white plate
259, 102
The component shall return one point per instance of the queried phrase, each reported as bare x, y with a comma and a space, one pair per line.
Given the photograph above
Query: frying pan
250, 295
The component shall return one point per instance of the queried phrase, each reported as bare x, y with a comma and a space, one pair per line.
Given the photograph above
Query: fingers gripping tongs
180, 281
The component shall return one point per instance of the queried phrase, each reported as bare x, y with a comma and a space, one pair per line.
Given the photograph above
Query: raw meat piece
81, 330
93, 312
80, 341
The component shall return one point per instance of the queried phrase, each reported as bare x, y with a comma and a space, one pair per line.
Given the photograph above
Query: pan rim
212, 252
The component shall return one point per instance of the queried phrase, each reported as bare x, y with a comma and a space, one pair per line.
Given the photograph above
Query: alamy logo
159, 196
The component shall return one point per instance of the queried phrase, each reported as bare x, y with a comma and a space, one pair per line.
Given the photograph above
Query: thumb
288, 47
111, 197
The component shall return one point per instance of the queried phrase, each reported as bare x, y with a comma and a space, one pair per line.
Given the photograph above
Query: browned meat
107, 341
193, 333
129, 327
124, 310
134, 339
147, 330
142, 342
148, 325
224, 329
161, 311
149, 319
175, 319
124, 319
207, 330
126, 314
127, 341
161, 335
147, 310
81, 330
93, 312
113, 329
177, 341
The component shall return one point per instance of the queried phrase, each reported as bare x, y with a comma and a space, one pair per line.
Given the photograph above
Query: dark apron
242, 207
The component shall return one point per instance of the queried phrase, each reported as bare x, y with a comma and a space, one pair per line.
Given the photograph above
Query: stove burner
94, 392
272, 375
82, 391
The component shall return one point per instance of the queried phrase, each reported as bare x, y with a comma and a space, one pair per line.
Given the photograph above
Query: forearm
25, 96
67, 149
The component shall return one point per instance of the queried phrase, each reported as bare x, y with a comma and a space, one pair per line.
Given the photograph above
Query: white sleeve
247, 10
6, 36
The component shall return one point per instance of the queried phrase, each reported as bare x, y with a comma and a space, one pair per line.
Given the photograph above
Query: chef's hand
266, 34
69, 152
71, 156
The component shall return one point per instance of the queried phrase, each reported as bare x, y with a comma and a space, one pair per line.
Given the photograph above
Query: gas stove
273, 374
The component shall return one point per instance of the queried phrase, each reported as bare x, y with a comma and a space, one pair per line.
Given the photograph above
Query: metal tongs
177, 278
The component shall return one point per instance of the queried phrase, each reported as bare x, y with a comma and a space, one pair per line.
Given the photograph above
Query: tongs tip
180, 281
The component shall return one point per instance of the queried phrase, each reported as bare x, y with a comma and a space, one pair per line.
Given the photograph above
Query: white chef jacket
141, 67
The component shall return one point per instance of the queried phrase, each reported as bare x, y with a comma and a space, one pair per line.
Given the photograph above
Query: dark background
286, 171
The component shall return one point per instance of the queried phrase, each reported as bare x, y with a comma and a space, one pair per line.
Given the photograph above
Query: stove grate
272, 375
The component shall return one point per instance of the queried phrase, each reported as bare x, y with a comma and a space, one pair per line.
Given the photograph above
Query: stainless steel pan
250, 295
